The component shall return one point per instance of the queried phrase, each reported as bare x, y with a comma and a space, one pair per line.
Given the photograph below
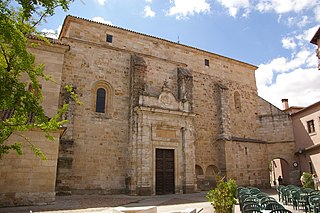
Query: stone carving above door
165, 100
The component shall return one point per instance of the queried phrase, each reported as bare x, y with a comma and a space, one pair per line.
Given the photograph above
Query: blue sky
271, 34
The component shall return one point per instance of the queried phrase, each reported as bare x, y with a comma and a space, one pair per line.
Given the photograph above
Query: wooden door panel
165, 171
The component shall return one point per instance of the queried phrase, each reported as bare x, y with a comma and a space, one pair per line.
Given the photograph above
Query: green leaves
307, 181
20, 91
223, 197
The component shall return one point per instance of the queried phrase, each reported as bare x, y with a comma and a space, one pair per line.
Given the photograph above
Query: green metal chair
313, 203
281, 211
251, 206
264, 199
252, 211
299, 199
267, 202
279, 191
254, 199
261, 195
273, 206
254, 191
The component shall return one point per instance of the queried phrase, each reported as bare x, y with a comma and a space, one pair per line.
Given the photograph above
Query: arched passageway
279, 172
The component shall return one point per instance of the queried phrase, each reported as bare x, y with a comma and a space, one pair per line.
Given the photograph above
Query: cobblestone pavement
106, 203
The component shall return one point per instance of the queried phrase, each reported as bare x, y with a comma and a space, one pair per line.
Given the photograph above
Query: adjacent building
306, 126
316, 41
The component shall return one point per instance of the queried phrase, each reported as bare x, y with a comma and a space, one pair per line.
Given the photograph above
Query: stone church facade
157, 117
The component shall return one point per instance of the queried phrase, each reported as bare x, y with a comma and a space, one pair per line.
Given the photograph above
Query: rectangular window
310, 125
109, 38
206, 62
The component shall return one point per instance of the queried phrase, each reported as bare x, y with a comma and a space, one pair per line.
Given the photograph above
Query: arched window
101, 100
237, 101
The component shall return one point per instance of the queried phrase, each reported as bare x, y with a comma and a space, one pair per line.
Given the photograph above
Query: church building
157, 117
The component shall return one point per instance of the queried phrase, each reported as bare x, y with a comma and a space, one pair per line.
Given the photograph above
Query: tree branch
6, 58
42, 16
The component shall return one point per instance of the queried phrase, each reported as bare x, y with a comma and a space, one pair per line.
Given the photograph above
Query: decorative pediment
166, 100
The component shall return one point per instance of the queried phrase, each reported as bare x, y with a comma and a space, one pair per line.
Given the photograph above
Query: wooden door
164, 171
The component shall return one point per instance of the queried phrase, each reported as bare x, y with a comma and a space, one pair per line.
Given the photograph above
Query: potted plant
223, 197
306, 180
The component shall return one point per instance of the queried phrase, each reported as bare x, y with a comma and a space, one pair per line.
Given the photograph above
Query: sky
271, 34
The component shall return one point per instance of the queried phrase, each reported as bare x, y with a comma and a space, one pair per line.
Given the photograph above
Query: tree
20, 106
223, 197
306, 180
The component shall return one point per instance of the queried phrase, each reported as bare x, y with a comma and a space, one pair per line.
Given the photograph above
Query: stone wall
275, 125
276, 128
247, 163
100, 140
52, 56
154, 61
26, 179
222, 95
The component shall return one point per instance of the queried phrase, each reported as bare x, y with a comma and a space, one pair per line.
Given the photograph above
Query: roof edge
307, 107
51, 40
69, 17
315, 37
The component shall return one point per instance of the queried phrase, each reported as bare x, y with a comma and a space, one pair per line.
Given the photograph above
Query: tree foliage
20, 92
306, 180
223, 197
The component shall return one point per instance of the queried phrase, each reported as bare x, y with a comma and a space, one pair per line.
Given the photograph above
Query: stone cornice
53, 47
163, 111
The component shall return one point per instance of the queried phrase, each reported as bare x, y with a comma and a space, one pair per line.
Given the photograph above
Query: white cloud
303, 22
184, 8
235, 5
288, 43
297, 21
51, 33
101, 2
101, 20
280, 7
296, 78
316, 11
285, 6
149, 1
148, 12
299, 86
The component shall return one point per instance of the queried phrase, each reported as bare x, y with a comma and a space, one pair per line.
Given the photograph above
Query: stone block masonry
171, 122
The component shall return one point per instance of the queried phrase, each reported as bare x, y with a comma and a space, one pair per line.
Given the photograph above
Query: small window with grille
109, 38
206, 62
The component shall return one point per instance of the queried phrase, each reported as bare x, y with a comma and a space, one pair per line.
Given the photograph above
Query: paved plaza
106, 203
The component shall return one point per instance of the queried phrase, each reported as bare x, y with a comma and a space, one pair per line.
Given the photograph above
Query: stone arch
237, 101
109, 93
207, 180
279, 167
212, 171
199, 170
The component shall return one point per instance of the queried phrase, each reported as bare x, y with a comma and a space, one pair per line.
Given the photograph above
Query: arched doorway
279, 172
